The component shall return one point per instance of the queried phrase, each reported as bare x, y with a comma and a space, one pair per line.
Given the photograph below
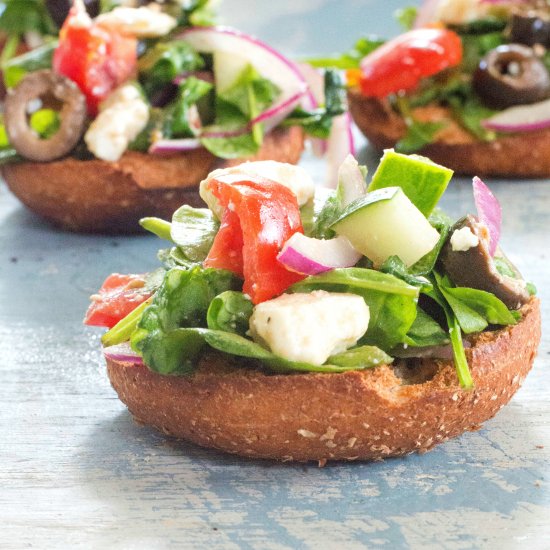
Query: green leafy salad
158, 78
279, 275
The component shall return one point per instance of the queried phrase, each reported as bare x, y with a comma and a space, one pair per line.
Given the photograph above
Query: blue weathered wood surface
76, 471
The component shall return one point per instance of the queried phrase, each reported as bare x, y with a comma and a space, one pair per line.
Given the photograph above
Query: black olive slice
48, 88
511, 75
475, 268
530, 28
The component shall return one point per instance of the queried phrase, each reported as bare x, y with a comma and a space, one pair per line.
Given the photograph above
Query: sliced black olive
49, 89
511, 75
530, 27
59, 9
475, 268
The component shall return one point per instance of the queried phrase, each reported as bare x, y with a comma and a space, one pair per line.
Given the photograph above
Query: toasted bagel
360, 415
110, 197
521, 155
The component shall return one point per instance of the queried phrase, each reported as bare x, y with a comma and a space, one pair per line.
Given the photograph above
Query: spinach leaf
394, 265
318, 122
21, 16
351, 58
181, 302
230, 311
165, 61
455, 334
235, 108
235, 344
391, 301
361, 357
193, 230
427, 263
418, 135
475, 309
425, 331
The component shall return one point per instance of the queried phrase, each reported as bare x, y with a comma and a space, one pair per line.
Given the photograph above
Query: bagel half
110, 197
525, 155
359, 415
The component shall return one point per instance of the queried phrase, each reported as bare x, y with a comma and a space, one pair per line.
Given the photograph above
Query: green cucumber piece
422, 180
386, 223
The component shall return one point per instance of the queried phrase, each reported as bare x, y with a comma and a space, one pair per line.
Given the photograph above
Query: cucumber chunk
422, 180
386, 223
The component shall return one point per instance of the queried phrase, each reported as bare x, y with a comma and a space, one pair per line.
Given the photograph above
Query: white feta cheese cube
142, 22
310, 327
463, 239
123, 115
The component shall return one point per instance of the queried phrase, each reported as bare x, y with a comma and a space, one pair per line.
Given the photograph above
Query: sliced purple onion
340, 144
267, 61
489, 212
123, 353
313, 256
169, 146
351, 181
522, 118
316, 86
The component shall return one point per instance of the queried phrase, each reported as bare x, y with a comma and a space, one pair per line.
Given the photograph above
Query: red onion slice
312, 256
340, 144
267, 61
489, 212
351, 181
124, 353
316, 86
522, 118
169, 146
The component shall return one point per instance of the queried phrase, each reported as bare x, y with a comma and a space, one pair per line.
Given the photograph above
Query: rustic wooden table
76, 471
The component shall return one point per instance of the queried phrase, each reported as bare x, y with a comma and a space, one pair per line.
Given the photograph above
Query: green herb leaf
17, 67
230, 311
406, 17
425, 331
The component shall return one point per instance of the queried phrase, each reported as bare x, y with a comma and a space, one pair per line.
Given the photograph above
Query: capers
511, 75
530, 28
48, 88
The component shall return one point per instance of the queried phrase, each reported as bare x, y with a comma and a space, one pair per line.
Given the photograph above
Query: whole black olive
511, 75
50, 89
530, 27
59, 9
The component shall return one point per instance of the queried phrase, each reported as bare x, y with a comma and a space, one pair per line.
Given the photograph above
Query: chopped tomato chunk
401, 63
260, 216
96, 59
117, 297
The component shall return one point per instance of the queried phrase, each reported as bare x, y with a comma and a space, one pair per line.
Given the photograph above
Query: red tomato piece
401, 63
96, 59
266, 215
118, 296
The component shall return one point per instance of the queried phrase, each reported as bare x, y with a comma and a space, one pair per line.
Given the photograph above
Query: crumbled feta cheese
459, 12
142, 22
123, 115
310, 327
463, 239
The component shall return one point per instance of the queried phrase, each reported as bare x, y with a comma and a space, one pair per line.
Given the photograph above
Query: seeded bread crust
525, 155
360, 415
110, 197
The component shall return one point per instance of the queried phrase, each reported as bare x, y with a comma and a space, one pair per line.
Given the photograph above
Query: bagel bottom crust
111, 197
359, 415
521, 155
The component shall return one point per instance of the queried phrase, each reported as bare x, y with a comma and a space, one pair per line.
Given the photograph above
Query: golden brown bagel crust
360, 415
525, 155
99, 196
